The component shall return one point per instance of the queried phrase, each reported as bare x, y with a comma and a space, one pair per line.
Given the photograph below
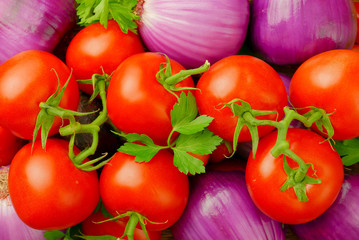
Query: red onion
340, 221
192, 31
33, 25
291, 31
11, 226
220, 207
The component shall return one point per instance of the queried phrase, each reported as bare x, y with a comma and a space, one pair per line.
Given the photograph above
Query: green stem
176, 78
131, 226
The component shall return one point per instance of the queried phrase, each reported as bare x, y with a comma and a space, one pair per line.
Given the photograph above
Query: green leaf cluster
194, 138
348, 150
93, 11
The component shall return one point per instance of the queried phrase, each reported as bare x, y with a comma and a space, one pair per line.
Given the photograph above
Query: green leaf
203, 143
143, 153
103, 237
92, 11
187, 163
53, 235
348, 150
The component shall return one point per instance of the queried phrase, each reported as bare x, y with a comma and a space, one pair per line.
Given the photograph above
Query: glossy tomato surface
27, 79
9, 145
156, 189
330, 81
240, 77
137, 102
91, 226
265, 176
95, 49
47, 191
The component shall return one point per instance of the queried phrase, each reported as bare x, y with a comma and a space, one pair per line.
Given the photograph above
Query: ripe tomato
27, 79
356, 5
96, 46
91, 227
9, 145
330, 81
137, 102
47, 191
244, 77
265, 176
156, 189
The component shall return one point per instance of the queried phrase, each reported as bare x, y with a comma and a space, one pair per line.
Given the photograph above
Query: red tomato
137, 102
220, 153
265, 176
91, 227
330, 81
156, 189
244, 77
47, 191
96, 46
9, 145
27, 79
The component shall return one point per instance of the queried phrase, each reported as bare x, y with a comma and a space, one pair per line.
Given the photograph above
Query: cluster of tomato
50, 192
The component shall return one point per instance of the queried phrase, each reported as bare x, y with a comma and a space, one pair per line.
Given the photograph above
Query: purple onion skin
291, 31
33, 24
193, 31
220, 207
340, 221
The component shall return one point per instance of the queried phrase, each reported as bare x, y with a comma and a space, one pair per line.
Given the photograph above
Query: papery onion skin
291, 31
340, 221
193, 31
33, 25
220, 207
11, 226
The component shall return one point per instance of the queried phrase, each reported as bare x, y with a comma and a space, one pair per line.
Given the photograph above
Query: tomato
244, 77
156, 189
91, 227
95, 46
330, 81
265, 176
9, 145
47, 191
27, 79
137, 102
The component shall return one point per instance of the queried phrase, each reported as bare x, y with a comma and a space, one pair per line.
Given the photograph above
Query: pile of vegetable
188, 119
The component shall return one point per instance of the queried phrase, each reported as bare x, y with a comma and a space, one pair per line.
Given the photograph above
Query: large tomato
244, 77
265, 175
91, 226
137, 102
156, 189
47, 191
9, 145
27, 79
95, 49
330, 81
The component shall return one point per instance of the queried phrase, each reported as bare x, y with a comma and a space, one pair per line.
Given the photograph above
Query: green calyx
297, 178
50, 109
168, 80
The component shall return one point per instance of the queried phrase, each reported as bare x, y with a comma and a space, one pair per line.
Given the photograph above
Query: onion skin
11, 226
220, 207
340, 221
291, 31
192, 31
33, 25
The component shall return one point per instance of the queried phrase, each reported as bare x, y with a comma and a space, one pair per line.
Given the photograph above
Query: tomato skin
356, 5
265, 175
9, 145
27, 79
47, 191
156, 189
244, 77
137, 102
95, 46
91, 227
330, 81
